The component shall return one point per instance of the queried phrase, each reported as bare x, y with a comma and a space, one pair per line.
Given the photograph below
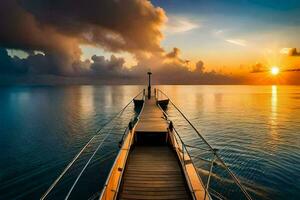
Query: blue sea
256, 130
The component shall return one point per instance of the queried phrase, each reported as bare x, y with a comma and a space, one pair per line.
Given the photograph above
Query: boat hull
163, 103
138, 102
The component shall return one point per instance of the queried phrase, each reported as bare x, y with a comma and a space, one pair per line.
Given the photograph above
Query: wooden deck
151, 164
151, 119
153, 172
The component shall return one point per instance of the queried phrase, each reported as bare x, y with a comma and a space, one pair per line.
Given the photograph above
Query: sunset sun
275, 70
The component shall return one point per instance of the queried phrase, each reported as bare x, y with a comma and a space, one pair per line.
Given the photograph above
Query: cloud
199, 67
173, 54
179, 25
35, 64
7, 64
113, 67
20, 30
258, 67
166, 70
128, 25
290, 51
218, 33
56, 29
170, 68
238, 42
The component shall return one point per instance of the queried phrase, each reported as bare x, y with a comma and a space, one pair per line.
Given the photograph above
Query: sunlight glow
275, 70
273, 118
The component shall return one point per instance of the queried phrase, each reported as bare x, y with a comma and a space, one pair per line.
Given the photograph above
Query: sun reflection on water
87, 107
273, 116
274, 101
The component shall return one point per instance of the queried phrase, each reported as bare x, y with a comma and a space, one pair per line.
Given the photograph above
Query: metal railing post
182, 148
209, 175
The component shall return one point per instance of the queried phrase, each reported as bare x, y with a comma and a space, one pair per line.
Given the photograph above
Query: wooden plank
161, 179
151, 119
154, 192
154, 178
143, 196
168, 189
154, 175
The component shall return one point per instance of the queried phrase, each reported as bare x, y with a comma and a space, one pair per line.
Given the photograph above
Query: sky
233, 33
181, 42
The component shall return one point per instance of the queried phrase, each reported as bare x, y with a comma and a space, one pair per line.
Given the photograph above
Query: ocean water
256, 130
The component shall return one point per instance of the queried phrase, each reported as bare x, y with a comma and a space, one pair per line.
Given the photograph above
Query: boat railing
65, 183
218, 180
111, 187
159, 95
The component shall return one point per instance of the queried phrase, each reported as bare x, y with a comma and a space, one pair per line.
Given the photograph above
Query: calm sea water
255, 128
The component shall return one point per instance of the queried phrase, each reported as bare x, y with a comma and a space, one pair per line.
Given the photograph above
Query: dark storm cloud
33, 64
40, 64
114, 66
58, 27
8, 65
128, 25
21, 30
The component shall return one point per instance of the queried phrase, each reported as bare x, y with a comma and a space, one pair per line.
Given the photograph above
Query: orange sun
275, 70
